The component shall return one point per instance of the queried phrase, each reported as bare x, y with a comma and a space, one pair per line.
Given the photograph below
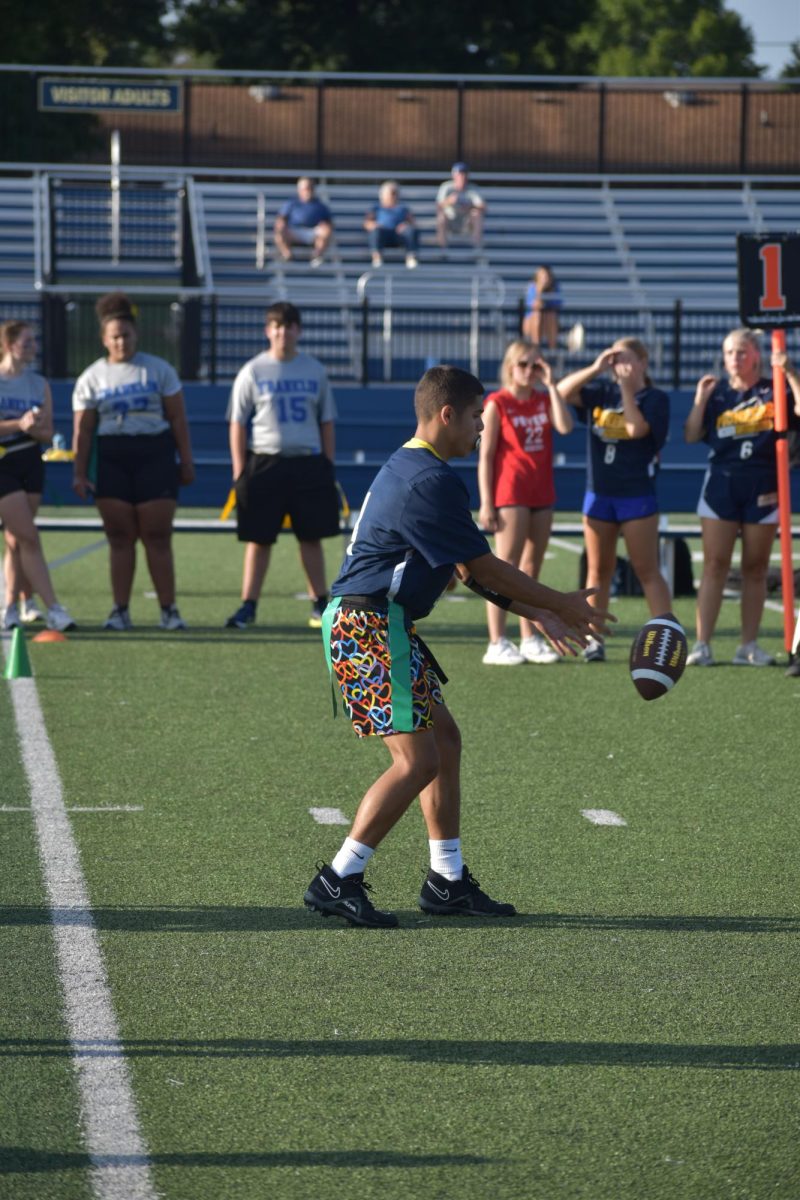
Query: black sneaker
244, 616
335, 897
459, 898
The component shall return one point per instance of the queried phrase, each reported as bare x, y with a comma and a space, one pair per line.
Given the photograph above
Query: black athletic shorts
22, 471
272, 486
137, 467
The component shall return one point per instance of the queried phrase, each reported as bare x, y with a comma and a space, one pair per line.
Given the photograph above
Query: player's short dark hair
283, 313
445, 385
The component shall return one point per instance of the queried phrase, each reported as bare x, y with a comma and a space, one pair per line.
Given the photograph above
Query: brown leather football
658, 656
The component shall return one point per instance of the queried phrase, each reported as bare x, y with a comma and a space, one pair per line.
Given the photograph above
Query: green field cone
18, 665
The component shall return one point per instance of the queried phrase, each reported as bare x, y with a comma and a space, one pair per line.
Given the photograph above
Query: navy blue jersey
414, 526
739, 427
616, 463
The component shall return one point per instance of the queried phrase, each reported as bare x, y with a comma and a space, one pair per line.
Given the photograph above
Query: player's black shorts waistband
380, 604
373, 603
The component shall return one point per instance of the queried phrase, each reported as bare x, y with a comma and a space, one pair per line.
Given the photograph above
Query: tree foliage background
573, 37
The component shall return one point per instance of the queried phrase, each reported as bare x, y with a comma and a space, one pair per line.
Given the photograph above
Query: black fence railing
208, 338
326, 122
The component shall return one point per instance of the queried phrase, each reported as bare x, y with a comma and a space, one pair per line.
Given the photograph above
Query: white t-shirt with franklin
127, 395
287, 401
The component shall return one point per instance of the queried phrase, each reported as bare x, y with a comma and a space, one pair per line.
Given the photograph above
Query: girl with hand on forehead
627, 421
517, 490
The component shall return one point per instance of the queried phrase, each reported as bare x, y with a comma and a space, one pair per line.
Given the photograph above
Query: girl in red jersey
515, 477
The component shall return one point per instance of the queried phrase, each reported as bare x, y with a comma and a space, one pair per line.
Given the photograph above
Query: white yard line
576, 545
75, 554
329, 816
120, 1167
92, 808
602, 816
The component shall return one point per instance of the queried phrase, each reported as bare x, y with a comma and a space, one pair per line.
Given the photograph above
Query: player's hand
187, 473
705, 386
82, 486
583, 618
605, 360
487, 517
781, 359
545, 370
30, 420
558, 634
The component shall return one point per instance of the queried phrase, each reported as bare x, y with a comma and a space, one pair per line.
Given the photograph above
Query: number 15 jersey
287, 401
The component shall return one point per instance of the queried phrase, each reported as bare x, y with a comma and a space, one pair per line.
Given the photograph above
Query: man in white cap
460, 208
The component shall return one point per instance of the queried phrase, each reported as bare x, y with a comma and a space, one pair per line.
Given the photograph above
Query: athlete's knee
422, 765
716, 566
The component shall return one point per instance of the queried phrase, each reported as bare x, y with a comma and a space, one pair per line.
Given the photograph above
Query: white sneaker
537, 649
11, 617
751, 655
119, 619
700, 656
502, 654
29, 611
594, 651
59, 619
171, 619
412, 262
316, 261
377, 260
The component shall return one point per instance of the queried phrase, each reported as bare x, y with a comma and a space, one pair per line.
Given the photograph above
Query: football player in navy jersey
735, 417
414, 528
627, 420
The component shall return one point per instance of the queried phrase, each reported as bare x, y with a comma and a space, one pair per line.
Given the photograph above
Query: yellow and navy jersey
616, 463
739, 426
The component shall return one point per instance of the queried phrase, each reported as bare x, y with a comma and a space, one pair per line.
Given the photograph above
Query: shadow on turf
221, 918
18, 1160
780, 1057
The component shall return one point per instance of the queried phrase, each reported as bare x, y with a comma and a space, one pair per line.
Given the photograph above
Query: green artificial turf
632, 1033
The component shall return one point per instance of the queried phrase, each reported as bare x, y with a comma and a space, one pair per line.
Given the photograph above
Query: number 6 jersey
738, 427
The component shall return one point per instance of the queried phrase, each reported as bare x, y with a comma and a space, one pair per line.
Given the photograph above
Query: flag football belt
4, 450
399, 653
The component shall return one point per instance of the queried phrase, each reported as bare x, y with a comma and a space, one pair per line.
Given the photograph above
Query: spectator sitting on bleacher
391, 224
304, 221
460, 209
543, 302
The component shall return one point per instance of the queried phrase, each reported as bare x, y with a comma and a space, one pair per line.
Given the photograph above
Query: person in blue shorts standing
414, 528
627, 421
740, 490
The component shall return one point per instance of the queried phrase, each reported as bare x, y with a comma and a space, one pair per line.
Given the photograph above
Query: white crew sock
352, 858
446, 858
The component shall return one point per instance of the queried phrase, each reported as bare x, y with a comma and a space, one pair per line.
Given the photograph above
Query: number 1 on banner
772, 297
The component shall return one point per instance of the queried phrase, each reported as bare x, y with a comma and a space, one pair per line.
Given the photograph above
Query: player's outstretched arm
502, 584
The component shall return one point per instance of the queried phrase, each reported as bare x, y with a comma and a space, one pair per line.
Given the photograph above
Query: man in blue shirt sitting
305, 221
414, 529
390, 224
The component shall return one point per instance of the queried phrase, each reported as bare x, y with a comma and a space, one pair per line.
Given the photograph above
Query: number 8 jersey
617, 464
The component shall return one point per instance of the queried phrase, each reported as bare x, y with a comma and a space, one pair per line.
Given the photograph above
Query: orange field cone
49, 635
18, 665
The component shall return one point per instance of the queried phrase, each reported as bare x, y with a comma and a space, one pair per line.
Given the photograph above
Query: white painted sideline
120, 1167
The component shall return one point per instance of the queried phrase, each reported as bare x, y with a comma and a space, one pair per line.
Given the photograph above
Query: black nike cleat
347, 898
459, 898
